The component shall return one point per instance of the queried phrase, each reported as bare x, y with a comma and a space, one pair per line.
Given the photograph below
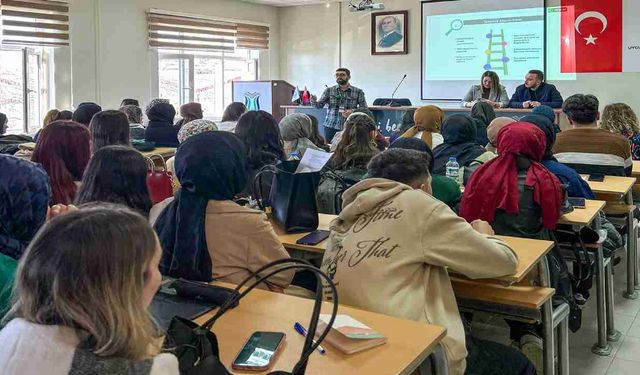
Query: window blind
252, 36
35, 22
180, 32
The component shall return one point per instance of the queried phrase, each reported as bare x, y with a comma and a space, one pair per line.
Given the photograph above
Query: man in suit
535, 92
390, 32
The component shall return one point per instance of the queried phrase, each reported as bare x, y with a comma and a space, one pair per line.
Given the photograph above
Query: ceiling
286, 3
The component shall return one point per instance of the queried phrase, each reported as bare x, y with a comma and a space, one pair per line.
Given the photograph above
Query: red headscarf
494, 186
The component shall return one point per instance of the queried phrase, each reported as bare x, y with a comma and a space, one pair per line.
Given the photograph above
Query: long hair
233, 112
316, 137
109, 127
261, 136
619, 118
116, 174
495, 82
357, 145
87, 270
64, 150
51, 116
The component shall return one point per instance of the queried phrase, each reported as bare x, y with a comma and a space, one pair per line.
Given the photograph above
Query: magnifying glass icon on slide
455, 26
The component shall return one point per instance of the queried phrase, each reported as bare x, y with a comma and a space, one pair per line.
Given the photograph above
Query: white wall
110, 57
308, 56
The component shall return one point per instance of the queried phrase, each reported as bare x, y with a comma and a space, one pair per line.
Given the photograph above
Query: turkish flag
591, 32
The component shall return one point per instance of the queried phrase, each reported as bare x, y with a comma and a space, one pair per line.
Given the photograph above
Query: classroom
416, 187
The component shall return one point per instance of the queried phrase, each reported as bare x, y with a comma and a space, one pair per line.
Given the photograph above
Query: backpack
332, 185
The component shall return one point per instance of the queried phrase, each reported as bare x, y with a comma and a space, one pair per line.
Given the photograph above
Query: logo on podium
252, 101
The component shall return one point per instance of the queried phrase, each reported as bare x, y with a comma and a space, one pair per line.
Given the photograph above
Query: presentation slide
463, 46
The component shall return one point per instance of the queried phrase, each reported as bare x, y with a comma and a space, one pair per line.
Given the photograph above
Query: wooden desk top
530, 297
408, 344
289, 240
636, 169
165, 152
583, 216
611, 184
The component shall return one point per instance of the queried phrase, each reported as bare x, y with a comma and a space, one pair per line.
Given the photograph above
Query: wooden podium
268, 96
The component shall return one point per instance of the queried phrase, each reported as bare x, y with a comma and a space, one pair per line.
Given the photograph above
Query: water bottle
452, 168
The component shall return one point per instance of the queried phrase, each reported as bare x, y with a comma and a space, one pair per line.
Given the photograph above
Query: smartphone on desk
596, 177
314, 238
577, 202
259, 352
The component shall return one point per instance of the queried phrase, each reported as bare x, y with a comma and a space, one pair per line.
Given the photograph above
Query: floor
625, 356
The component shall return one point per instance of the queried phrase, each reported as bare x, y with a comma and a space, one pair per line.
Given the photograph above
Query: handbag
197, 346
293, 198
159, 182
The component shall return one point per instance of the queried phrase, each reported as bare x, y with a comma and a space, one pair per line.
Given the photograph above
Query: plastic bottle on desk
452, 168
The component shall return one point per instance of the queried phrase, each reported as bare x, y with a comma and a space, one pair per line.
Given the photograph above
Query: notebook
349, 335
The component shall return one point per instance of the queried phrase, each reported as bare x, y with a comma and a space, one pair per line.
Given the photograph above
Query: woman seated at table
231, 115
619, 118
482, 114
489, 90
107, 128
81, 299
390, 248
428, 121
443, 188
381, 142
204, 234
296, 130
459, 133
190, 129
160, 128
357, 145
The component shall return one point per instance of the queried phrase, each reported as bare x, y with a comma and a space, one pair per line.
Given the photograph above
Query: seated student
160, 128
116, 174
586, 148
231, 115
443, 188
619, 118
134, 116
545, 111
109, 128
84, 112
489, 91
51, 116
24, 200
493, 129
64, 150
192, 128
390, 248
316, 137
406, 123
81, 299
357, 146
259, 132
204, 234
296, 129
459, 134
65, 115
128, 101
10, 143
381, 142
535, 92
428, 121
482, 114
573, 183
189, 112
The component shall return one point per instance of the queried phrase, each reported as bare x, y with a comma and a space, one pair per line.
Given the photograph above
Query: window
24, 88
204, 77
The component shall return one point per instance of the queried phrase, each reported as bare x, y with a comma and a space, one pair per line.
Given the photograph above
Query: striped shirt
336, 99
594, 151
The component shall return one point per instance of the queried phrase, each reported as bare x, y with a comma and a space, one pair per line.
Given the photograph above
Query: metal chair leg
601, 347
613, 335
563, 347
632, 242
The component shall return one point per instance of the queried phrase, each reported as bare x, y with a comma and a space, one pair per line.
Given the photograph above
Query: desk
408, 344
636, 169
389, 119
583, 216
165, 152
289, 240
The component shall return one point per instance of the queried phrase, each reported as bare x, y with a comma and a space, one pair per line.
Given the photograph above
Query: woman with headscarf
428, 121
482, 114
84, 112
204, 234
24, 200
459, 133
492, 131
548, 112
296, 129
444, 189
573, 183
160, 128
316, 137
189, 112
192, 128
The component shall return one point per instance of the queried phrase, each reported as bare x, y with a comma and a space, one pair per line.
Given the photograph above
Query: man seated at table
535, 92
390, 248
588, 149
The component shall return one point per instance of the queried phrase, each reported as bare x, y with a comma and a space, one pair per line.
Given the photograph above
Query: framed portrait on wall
389, 33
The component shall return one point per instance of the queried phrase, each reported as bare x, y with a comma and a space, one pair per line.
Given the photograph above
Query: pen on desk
301, 330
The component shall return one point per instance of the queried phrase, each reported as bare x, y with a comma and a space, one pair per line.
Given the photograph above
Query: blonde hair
87, 270
619, 118
50, 117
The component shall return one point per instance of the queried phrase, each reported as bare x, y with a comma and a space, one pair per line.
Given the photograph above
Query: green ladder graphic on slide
501, 51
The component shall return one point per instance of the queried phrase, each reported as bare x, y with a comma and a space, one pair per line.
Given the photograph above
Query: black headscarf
546, 126
414, 144
459, 133
209, 166
160, 113
482, 114
85, 111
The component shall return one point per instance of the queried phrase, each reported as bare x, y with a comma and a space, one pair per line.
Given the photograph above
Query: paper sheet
313, 161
